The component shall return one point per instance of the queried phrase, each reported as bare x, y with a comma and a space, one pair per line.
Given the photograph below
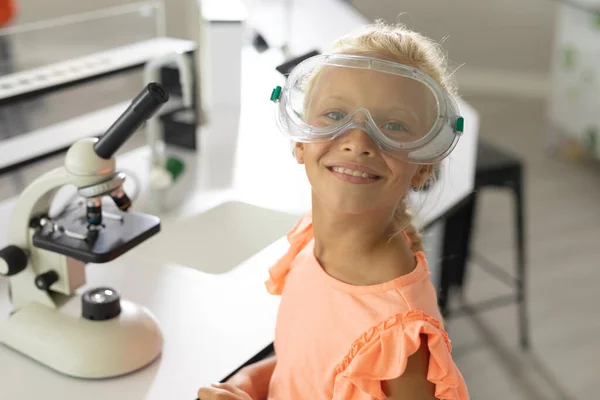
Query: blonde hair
410, 48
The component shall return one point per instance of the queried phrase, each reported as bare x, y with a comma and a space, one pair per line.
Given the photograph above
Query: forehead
358, 83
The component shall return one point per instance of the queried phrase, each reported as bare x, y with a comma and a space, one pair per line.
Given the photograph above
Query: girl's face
350, 174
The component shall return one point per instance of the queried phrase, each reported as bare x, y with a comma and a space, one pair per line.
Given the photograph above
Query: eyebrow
391, 108
395, 108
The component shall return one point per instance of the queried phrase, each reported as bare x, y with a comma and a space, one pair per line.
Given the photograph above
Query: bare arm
255, 378
413, 384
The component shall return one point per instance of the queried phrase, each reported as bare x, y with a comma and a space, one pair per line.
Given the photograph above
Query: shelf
73, 71
22, 149
32, 146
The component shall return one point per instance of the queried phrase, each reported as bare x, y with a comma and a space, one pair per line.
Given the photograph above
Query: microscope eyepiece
157, 91
143, 106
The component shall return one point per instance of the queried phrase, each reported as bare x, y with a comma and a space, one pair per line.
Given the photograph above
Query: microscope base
82, 348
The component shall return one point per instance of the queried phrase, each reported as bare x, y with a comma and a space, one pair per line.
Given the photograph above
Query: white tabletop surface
212, 323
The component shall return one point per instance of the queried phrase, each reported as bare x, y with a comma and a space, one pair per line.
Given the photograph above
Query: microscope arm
34, 201
16, 259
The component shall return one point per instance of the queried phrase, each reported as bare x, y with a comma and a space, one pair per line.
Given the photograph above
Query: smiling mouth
351, 172
353, 176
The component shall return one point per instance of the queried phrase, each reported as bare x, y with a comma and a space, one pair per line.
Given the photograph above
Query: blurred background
531, 69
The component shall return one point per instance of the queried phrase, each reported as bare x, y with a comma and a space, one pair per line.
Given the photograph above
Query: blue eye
395, 126
334, 115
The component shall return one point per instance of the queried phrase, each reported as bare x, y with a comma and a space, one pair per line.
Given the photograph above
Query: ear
423, 173
299, 152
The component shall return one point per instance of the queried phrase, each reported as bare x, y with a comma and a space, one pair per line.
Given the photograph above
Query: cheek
402, 173
313, 152
313, 165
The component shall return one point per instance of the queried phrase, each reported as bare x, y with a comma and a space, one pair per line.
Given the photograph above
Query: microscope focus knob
45, 280
12, 260
100, 304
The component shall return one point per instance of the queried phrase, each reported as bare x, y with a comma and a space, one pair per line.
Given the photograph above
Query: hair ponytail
403, 219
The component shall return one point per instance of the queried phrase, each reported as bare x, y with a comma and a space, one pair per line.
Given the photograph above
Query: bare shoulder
413, 383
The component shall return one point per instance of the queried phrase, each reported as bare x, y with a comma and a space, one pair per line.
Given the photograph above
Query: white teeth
351, 172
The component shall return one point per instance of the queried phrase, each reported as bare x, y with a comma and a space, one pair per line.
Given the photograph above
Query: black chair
495, 168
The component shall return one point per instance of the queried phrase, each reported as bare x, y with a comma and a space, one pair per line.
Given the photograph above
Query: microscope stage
113, 239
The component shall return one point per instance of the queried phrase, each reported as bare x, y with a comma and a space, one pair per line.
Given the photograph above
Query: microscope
103, 335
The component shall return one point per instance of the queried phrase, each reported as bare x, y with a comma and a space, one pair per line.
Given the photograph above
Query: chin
350, 206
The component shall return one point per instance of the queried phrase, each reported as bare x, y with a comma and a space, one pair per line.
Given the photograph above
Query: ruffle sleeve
299, 236
382, 352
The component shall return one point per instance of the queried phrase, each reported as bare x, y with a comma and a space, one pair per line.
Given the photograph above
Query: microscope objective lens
121, 199
94, 211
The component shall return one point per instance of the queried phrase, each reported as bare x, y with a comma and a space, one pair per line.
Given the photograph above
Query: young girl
358, 317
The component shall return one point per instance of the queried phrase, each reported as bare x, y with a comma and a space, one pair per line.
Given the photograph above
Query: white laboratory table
212, 323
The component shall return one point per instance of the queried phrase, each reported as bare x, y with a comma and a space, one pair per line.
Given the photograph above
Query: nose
358, 142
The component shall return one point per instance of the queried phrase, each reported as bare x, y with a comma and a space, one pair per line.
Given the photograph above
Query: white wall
509, 41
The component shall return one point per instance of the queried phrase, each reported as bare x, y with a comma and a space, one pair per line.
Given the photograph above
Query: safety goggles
404, 111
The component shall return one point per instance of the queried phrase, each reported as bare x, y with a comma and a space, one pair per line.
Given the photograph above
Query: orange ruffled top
339, 341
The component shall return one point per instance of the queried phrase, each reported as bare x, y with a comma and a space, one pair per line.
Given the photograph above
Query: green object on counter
175, 167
